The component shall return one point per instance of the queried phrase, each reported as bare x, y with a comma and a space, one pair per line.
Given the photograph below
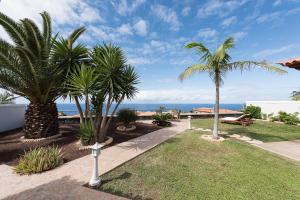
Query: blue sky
153, 33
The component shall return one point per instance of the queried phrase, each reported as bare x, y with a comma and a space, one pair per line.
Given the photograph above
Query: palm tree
29, 68
295, 95
217, 64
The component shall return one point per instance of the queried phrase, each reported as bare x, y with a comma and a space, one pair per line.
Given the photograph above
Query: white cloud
186, 11
219, 7
125, 29
229, 21
229, 94
207, 33
139, 61
277, 2
239, 35
141, 27
275, 16
167, 15
271, 52
124, 8
61, 11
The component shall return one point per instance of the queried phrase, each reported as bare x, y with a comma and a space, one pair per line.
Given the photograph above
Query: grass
187, 167
260, 130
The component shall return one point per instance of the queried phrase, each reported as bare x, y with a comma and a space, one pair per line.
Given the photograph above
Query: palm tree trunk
41, 120
216, 112
79, 109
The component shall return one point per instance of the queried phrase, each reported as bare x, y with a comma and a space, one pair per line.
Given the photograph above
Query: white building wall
11, 116
269, 107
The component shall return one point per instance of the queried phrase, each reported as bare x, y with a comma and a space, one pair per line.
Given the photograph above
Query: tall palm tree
217, 64
29, 68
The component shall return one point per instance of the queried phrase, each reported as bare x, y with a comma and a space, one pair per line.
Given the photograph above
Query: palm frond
221, 54
247, 65
202, 50
196, 68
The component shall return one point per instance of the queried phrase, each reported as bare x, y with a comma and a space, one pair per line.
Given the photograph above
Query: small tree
126, 116
295, 95
104, 85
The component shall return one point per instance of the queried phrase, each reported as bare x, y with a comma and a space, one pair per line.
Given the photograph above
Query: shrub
85, 134
162, 119
126, 116
288, 118
254, 111
39, 160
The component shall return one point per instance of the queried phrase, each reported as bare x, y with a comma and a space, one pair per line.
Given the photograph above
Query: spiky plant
70, 55
117, 81
29, 68
6, 98
217, 64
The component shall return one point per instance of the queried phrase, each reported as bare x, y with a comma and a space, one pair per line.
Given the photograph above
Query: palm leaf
196, 68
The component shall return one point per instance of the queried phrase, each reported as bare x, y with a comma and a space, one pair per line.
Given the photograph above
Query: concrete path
289, 149
79, 171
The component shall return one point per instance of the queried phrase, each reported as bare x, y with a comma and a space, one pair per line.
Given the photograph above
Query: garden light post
95, 180
189, 122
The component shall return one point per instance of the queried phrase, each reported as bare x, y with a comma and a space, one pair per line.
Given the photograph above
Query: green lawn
260, 130
188, 167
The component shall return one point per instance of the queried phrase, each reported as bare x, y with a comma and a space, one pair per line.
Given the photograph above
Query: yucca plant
39, 160
30, 67
217, 64
86, 134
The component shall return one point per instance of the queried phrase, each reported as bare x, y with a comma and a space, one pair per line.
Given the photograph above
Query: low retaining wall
75, 119
11, 116
269, 107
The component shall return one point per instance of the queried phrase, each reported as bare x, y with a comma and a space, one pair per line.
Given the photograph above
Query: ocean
70, 109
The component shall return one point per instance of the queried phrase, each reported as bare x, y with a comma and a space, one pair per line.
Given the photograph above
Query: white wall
11, 116
276, 106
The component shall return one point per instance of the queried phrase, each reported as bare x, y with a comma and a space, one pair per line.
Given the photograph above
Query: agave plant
29, 68
217, 64
6, 98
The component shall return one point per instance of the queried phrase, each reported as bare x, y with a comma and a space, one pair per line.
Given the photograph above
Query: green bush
286, 118
39, 160
85, 134
126, 116
253, 111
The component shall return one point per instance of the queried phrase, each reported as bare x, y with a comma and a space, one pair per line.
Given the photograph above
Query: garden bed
11, 147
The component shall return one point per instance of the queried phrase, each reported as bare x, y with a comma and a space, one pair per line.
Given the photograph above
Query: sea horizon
70, 108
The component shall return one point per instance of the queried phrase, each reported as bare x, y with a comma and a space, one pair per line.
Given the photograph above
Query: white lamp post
189, 122
95, 180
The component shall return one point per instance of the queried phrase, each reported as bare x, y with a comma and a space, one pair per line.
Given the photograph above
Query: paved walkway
79, 171
289, 149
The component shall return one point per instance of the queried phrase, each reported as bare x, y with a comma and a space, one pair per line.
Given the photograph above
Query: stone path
78, 172
289, 149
